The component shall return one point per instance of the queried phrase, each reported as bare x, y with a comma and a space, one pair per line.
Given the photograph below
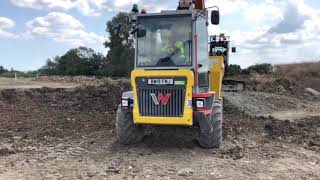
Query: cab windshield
166, 41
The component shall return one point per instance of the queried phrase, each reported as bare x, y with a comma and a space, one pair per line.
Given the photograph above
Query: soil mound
277, 86
84, 80
103, 98
52, 112
239, 126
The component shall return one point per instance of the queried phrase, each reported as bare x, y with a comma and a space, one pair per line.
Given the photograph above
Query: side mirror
215, 17
142, 32
233, 49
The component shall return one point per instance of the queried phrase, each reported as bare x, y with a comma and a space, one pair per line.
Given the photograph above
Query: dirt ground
68, 133
27, 83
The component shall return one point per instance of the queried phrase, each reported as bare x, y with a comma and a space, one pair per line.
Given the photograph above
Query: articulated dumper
178, 73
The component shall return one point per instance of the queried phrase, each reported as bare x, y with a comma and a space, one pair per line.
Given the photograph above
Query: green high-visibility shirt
179, 45
170, 49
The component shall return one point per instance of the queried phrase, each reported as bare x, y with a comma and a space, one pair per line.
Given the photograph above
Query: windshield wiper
173, 53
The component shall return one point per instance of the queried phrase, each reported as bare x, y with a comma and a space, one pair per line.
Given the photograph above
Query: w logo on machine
164, 99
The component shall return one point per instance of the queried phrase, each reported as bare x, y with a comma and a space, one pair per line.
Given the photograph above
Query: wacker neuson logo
163, 99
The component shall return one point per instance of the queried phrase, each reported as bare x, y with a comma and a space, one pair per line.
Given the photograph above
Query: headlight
200, 103
124, 103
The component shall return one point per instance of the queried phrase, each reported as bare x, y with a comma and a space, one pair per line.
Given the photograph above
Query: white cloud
228, 6
43, 4
291, 22
126, 5
61, 27
90, 7
86, 7
290, 32
6, 23
263, 12
94, 7
120, 3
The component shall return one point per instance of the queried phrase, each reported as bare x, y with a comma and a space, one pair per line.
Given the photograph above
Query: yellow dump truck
178, 74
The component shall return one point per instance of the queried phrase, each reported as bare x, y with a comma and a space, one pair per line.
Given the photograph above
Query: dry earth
59, 133
27, 83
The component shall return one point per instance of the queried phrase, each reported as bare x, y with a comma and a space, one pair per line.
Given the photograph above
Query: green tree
263, 68
120, 57
78, 61
3, 70
51, 67
234, 69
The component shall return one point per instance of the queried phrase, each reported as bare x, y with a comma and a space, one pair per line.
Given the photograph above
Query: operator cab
166, 40
176, 39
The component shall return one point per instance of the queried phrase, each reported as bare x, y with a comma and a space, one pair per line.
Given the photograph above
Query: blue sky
273, 31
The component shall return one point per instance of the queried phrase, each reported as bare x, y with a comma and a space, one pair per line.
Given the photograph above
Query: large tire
127, 131
211, 137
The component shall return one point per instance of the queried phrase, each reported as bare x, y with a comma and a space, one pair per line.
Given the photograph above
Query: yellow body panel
186, 119
216, 75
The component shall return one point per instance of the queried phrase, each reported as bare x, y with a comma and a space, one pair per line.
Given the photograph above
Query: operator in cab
172, 43
166, 43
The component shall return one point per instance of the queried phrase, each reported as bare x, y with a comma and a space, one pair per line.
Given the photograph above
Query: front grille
174, 107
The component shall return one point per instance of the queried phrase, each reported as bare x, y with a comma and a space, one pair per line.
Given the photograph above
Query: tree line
12, 73
263, 68
3, 70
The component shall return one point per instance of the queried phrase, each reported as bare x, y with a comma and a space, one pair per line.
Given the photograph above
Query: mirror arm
135, 29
